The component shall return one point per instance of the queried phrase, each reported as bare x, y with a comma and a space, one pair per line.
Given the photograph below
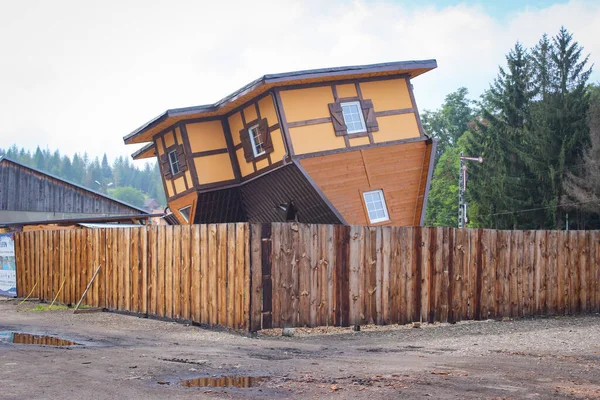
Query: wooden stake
87, 288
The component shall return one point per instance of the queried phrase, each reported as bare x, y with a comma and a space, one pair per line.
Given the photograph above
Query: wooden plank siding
343, 177
51, 194
252, 277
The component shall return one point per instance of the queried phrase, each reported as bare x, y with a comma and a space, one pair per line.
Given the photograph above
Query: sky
77, 76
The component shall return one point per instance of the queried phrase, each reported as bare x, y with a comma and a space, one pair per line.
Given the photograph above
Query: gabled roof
5, 159
264, 83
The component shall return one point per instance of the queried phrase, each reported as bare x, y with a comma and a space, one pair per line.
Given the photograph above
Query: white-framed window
174, 161
185, 213
376, 208
353, 117
257, 141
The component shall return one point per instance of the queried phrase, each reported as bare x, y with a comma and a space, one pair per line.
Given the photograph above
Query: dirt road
129, 357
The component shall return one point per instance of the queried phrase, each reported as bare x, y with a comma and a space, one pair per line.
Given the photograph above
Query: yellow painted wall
235, 126
250, 113
303, 104
178, 135
396, 127
387, 95
245, 168
205, 136
346, 90
313, 138
179, 185
312, 103
159, 147
169, 139
278, 146
169, 186
264, 163
214, 168
267, 110
360, 141
188, 178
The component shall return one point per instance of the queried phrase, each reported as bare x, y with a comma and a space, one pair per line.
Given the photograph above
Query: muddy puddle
237, 381
28, 338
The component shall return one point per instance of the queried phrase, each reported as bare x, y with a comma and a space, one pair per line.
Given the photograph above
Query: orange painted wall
396, 169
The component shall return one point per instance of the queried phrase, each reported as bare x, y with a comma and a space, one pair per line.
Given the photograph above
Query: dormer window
353, 117
174, 162
257, 140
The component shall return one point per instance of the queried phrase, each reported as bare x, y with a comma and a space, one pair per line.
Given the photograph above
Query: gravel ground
130, 357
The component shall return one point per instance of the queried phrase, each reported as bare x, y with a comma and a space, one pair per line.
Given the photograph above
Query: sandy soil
130, 357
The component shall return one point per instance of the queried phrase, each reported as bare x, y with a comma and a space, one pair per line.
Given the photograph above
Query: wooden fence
194, 273
253, 277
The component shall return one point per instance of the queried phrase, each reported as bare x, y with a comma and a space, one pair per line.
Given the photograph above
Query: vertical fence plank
230, 274
204, 275
222, 274
177, 272
301, 247
212, 274
355, 266
243, 237
551, 278
342, 258
186, 272
315, 266
256, 271
386, 248
160, 271
369, 275
196, 280
595, 264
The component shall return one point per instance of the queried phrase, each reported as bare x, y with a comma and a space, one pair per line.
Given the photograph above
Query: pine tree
501, 185
559, 128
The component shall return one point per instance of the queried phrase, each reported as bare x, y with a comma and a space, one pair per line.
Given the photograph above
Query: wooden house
30, 197
337, 145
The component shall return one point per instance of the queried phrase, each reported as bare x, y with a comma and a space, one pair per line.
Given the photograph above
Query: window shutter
165, 166
369, 115
263, 128
246, 144
337, 117
181, 158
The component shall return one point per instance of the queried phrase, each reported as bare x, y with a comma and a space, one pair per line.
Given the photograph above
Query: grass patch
55, 307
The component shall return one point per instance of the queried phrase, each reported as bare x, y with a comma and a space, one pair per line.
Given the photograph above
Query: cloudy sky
79, 75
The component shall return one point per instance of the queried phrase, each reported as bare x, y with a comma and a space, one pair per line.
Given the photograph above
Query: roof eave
399, 66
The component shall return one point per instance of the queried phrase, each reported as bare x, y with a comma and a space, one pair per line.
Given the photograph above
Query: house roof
145, 132
5, 159
82, 220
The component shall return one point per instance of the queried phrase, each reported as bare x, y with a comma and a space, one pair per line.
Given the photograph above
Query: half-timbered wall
310, 124
245, 117
180, 183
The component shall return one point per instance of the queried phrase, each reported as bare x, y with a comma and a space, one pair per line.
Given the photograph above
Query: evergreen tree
559, 127
501, 185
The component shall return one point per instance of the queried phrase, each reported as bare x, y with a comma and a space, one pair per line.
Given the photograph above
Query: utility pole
462, 188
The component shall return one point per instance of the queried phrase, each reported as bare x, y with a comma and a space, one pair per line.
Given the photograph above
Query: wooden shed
32, 197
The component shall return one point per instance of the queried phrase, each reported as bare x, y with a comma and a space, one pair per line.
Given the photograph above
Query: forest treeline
121, 180
538, 129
